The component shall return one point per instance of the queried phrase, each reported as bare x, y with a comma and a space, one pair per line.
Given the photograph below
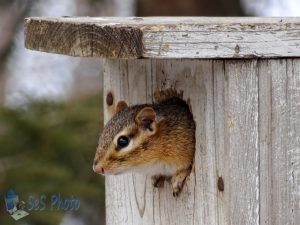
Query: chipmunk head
126, 140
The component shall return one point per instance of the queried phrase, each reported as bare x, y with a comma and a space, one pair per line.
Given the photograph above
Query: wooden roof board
165, 37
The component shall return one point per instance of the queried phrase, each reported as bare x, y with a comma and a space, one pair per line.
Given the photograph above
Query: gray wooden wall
247, 163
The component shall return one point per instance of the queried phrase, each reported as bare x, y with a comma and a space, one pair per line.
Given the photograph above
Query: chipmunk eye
123, 141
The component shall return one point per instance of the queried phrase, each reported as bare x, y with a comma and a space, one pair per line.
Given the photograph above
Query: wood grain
248, 135
165, 37
279, 88
241, 142
82, 39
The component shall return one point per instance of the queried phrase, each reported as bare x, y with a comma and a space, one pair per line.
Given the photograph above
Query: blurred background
51, 105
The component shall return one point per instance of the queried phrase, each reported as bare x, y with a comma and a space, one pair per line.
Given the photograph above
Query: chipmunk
155, 139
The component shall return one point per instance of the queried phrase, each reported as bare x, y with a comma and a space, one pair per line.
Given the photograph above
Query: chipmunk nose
98, 168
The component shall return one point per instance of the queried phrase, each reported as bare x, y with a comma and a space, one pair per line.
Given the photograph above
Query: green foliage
48, 148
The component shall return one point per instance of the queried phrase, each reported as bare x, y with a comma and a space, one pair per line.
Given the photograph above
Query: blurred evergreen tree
48, 148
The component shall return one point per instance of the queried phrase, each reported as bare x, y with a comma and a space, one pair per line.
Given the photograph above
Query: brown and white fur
161, 140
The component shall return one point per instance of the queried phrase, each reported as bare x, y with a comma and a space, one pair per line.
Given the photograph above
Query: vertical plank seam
288, 128
293, 174
270, 218
257, 62
259, 136
226, 137
215, 138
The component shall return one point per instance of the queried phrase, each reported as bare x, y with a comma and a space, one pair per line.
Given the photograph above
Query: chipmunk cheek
100, 153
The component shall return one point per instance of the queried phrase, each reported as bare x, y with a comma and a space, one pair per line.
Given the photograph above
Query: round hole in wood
109, 99
220, 184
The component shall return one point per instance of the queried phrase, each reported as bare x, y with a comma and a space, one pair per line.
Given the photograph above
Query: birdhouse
242, 76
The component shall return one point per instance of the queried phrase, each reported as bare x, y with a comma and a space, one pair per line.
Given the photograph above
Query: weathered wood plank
135, 91
221, 141
82, 39
265, 129
224, 99
279, 88
236, 136
144, 204
292, 198
165, 37
172, 210
116, 198
205, 206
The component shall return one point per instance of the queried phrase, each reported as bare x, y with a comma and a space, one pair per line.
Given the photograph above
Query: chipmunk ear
120, 106
146, 118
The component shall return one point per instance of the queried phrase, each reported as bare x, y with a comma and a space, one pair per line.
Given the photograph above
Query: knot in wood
220, 184
109, 99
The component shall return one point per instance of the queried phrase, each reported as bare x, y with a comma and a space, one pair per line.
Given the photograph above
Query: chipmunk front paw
178, 181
